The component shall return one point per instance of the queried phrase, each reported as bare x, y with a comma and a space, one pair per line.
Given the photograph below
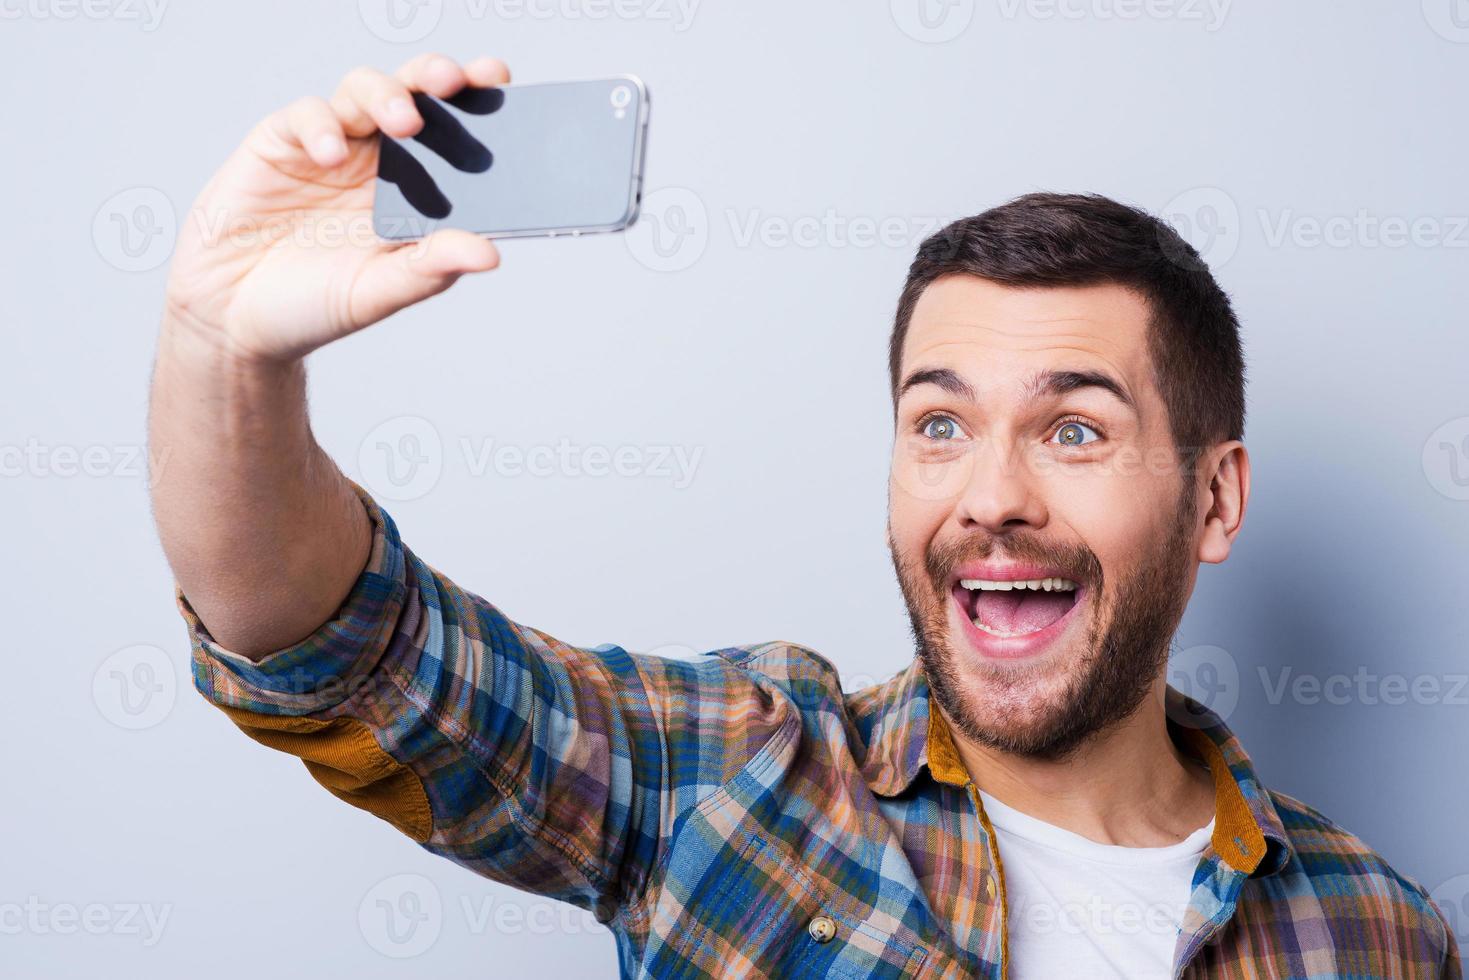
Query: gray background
1252, 127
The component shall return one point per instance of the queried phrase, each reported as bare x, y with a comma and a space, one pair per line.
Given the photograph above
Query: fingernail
330, 147
400, 107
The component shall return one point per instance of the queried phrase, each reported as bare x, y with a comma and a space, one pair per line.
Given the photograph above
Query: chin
1017, 706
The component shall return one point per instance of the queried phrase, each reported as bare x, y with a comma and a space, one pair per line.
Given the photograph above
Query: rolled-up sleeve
525, 759
315, 674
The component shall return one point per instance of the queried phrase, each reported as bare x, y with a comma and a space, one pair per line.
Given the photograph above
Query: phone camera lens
621, 97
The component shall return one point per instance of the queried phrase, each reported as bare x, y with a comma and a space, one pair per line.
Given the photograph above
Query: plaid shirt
737, 814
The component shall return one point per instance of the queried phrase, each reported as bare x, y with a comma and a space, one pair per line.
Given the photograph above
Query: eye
1074, 433
940, 427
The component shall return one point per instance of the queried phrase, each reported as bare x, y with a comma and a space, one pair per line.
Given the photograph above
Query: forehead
996, 335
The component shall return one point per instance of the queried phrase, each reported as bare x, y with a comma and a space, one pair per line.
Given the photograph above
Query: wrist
190, 342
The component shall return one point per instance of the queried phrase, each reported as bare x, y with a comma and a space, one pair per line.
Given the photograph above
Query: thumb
409, 273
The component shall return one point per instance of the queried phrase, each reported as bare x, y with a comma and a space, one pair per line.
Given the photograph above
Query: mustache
1074, 561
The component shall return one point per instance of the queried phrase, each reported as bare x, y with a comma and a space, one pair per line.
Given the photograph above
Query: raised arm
561, 770
276, 258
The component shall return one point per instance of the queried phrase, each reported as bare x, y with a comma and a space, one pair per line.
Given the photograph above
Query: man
1026, 799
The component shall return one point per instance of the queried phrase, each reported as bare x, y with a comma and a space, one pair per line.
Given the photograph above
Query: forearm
264, 534
266, 537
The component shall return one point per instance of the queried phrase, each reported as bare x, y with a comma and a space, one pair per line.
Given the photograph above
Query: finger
413, 272
435, 74
484, 93
487, 71
369, 100
311, 124
449, 252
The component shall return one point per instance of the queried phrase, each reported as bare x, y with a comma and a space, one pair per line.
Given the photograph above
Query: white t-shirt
1079, 908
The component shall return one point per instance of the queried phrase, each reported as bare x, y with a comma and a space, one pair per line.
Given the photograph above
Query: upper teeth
1039, 584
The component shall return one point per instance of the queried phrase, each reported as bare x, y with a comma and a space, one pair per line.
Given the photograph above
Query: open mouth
1007, 608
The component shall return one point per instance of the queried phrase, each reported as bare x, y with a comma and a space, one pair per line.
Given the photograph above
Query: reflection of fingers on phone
478, 101
544, 159
447, 137
397, 166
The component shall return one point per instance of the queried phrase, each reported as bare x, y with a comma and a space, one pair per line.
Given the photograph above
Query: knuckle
416, 67
316, 113
359, 78
306, 107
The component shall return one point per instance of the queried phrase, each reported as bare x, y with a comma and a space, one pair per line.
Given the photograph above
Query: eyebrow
1041, 384
943, 377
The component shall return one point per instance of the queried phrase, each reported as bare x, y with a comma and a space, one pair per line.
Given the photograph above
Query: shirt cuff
327, 667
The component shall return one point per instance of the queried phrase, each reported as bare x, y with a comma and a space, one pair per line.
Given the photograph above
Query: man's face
1013, 461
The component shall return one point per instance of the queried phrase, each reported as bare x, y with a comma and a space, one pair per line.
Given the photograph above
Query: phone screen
518, 160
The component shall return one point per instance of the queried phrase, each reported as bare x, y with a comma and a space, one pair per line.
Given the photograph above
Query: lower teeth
1002, 634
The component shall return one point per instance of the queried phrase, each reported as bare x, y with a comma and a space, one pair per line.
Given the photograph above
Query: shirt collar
904, 736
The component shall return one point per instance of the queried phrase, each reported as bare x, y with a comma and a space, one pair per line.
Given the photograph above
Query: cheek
1116, 515
924, 479
916, 510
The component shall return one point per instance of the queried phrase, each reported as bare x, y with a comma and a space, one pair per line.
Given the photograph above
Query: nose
1002, 493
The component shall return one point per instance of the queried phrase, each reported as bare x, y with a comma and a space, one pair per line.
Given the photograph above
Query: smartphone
518, 160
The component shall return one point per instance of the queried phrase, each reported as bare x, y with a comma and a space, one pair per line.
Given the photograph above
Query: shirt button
822, 929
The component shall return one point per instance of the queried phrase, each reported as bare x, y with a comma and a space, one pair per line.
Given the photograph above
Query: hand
278, 257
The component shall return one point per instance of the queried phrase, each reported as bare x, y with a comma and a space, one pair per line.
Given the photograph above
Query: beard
1049, 710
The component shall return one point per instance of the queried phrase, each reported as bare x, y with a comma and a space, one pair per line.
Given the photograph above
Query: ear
1227, 495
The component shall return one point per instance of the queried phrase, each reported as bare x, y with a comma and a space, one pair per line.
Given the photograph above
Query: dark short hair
1043, 240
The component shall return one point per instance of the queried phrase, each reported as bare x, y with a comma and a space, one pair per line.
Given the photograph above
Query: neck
1129, 785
